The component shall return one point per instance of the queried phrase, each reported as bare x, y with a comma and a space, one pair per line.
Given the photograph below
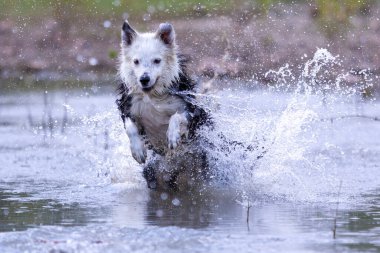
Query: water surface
68, 182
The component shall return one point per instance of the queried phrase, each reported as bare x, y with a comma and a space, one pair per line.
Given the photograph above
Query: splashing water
274, 144
293, 157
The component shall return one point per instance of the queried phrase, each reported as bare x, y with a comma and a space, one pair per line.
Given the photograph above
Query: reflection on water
362, 224
18, 211
202, 209
195, 210
213, 210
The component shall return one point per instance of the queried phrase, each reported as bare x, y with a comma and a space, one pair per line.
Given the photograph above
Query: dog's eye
136, 62
157, 61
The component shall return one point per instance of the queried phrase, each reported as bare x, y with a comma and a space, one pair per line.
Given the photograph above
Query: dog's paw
174, 138
175, 130
138, 151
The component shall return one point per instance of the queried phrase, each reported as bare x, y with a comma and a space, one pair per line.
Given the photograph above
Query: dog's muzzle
145, 80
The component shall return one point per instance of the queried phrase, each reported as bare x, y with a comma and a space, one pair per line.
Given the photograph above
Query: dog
159, 111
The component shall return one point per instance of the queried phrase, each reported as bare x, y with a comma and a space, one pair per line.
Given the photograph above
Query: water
68, 182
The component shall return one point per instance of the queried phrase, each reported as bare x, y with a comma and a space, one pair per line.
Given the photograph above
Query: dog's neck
146, 96
153, 99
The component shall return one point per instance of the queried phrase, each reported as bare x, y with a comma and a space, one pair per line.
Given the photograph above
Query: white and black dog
158, 110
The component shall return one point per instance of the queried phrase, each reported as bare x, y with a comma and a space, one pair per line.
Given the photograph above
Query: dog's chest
153, 115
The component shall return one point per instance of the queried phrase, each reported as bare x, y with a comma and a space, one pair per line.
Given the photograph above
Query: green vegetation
112, 54
150, 9
12, 85
334, 15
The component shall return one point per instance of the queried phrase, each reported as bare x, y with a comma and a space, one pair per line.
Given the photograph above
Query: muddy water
68, 182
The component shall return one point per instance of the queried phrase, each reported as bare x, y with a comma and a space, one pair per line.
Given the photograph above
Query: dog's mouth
149, 88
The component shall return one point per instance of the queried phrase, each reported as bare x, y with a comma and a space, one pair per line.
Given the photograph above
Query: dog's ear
166, 34
127, 34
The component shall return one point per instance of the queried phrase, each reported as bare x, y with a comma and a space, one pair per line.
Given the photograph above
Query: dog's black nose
144, 79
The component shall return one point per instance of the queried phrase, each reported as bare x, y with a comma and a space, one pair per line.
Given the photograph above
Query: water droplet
176, 202
159, 213
146, 17
164, 196
107, 24
93, 61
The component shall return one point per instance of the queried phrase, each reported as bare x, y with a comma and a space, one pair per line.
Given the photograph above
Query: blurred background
79, 39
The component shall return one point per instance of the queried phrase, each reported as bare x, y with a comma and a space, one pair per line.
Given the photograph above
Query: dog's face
149, 60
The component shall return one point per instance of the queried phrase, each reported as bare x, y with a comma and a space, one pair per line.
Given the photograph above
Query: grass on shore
328, 9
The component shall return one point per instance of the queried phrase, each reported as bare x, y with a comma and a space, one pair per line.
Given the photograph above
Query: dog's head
149, 61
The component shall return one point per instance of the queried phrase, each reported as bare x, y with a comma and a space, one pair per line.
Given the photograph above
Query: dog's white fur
160, 113
155, 114
164, 122
137, 146
146, 48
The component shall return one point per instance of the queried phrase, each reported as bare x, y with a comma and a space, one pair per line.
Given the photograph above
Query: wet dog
160, 115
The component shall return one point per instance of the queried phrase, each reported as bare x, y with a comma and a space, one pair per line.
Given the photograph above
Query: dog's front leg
137, 146
178, 127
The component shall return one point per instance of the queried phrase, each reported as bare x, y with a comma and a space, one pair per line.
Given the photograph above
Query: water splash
291, 156
266, 143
